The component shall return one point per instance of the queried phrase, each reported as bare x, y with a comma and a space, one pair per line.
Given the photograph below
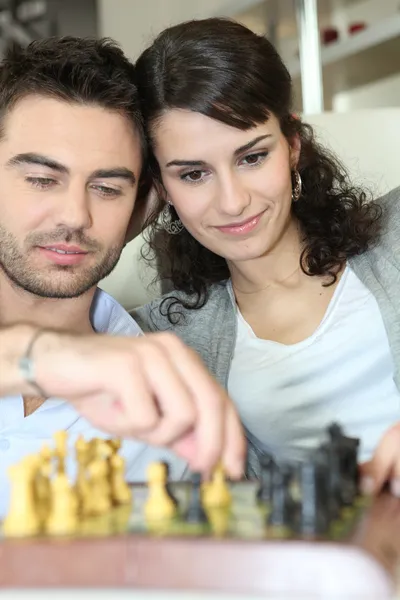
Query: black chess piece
195, 513
335, 432
350, 468
282, 505
329, 454
346, 451
168, 486
314, 512
264, 492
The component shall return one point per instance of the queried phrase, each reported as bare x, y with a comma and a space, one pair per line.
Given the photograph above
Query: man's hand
385, 464
151, 388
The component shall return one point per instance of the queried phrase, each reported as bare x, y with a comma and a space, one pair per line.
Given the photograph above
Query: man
71, 155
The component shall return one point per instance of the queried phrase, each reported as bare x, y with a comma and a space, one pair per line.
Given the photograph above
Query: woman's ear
144, 207
294, 149
160, 190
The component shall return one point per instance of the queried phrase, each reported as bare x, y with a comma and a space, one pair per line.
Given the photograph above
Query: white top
288, 394
21, 435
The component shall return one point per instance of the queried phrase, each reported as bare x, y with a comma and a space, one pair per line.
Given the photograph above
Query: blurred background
346, 53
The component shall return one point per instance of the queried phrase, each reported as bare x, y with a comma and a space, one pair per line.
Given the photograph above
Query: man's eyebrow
201, 163
31, 158
115, 173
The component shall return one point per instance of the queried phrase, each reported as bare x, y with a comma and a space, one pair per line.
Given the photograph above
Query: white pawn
216, 493
61, 449
22, 519
159, 504
99, 496
63, 518
120, 490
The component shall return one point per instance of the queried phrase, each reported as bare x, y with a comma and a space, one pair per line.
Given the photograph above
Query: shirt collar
108, 316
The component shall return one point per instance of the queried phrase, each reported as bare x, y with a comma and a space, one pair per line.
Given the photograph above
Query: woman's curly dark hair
223, 70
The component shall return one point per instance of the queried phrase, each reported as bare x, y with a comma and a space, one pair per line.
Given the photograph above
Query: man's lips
64, 248
63, 254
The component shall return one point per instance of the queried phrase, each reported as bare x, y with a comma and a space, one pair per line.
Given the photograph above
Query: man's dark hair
76, 70
224, 71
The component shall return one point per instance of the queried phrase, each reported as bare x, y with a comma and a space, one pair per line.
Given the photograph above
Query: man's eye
107, 191
41, 182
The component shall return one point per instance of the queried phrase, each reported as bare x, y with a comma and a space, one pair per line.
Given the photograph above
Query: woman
286, 280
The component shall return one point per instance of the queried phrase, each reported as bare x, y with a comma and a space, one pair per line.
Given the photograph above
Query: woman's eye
192, 176
41, 182
255, 158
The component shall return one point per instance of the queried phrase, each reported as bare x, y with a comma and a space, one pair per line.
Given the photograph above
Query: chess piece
349, 469
352, 465
219, 521
63, 515
335, 432
115, 444
314, 515
22, 519
82, 451
82, 488
346, 451
92, 449
216, 493
264, 492
120, 490
120, 518
168, 486
42, 489
282, 506
60, 438
99, 493
46, 455
102, 449
195, 513
329, 453
159, 504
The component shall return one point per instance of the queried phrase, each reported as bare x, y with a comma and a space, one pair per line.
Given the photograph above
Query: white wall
369, 11
380, 94
134, 23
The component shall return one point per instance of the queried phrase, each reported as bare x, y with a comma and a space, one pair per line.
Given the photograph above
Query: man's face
68, 181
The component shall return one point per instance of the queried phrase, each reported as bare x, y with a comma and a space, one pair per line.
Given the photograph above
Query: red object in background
329, 35
356, 27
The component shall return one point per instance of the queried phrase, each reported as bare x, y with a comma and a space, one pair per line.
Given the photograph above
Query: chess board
235, 551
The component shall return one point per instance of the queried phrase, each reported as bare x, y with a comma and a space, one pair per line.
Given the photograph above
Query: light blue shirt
20, 436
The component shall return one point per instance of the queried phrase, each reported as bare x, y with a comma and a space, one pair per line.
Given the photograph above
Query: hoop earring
297, 188
171, 227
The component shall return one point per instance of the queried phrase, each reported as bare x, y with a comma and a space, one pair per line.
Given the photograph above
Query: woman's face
231, 188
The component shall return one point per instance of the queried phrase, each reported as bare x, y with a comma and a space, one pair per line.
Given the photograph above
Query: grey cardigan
211, 330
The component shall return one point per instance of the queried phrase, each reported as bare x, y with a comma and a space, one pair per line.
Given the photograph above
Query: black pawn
350, 472
195, 512
329, 453
346, 450
168, 486
352, 466
282, 506
264, 492
335, 432
314, 513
